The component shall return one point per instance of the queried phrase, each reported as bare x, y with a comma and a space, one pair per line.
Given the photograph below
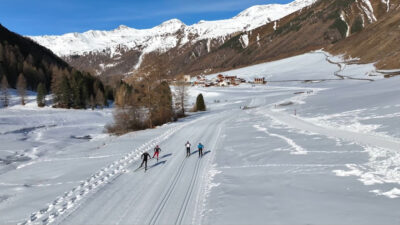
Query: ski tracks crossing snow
183, 209
65, 204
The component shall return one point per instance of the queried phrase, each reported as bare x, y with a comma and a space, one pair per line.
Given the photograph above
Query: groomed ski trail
67, 203
168, 193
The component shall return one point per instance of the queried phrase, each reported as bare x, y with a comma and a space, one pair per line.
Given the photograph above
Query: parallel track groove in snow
65, 204
167, 195
189, 191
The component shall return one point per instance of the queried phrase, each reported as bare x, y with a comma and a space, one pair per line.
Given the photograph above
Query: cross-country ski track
167, 191
290, 152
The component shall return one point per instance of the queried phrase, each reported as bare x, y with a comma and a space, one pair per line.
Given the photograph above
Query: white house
187, 78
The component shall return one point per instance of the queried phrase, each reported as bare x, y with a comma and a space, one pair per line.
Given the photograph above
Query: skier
187, 148
200, 147
145, 156
157, 151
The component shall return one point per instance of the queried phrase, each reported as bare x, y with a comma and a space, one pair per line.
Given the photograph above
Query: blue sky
39, 17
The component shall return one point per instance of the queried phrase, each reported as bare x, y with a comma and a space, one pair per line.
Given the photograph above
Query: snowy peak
162, 37
122, 27
262, 9
169, 27
174, 23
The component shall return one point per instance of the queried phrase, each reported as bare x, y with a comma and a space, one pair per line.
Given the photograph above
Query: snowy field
310, 148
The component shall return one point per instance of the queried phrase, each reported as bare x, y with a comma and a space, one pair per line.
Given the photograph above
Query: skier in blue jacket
200, 147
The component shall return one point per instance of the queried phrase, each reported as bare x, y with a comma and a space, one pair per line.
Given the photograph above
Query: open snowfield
310, 148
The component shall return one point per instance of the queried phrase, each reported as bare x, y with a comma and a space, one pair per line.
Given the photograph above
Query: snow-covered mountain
169, 34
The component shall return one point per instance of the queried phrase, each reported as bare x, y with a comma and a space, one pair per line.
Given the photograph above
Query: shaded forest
38, 65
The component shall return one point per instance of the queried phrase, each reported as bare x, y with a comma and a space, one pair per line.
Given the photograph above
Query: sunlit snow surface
336, 161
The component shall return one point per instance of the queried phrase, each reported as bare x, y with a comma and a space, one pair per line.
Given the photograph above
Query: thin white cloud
184, 8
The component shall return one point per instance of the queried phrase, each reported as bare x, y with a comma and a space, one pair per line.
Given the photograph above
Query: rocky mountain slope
378, 42
122, 50
325, 24
258, 34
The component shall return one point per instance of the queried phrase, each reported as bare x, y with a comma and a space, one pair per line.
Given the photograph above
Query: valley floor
291, 152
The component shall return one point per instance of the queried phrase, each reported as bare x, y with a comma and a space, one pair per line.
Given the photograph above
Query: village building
260, 80
187, 78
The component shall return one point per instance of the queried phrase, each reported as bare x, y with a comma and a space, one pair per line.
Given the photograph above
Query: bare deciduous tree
21, 87
4, 91
181, 97
100, 98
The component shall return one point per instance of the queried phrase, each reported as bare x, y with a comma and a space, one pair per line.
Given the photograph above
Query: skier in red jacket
157, 151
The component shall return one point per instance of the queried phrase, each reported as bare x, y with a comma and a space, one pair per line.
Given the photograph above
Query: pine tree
41, 95
66, 93
4, 91
21, 87
1, 52
200, 105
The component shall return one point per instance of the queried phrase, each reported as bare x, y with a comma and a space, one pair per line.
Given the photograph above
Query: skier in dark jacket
200, 147
145, 156
187, 148
157, 151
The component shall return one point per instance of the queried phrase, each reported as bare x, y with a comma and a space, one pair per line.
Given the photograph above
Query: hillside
378, 42
71, 88
122, 50
334, 25
22, 55
259, 34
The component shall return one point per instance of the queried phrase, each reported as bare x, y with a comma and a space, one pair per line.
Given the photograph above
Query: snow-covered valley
311, 147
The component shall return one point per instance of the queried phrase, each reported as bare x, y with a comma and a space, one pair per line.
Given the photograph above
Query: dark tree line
76, 89
26, 65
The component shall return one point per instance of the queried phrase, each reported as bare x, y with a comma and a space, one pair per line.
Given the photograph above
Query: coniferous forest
22, 57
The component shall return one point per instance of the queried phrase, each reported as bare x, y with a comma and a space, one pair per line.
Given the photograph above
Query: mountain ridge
248, 19
253, 36
122, 50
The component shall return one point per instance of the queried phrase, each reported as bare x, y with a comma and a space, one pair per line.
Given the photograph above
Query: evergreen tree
200, 105
21, 87
41, 95
4, 91
65, 93
1, 53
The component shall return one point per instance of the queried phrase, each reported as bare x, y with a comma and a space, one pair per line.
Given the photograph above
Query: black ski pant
145, 164
187, 151
200, 152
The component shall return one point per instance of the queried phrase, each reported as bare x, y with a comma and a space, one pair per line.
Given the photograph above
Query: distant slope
378, 42
71, 88
366, 29
325, 24
122, 50
22, 55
